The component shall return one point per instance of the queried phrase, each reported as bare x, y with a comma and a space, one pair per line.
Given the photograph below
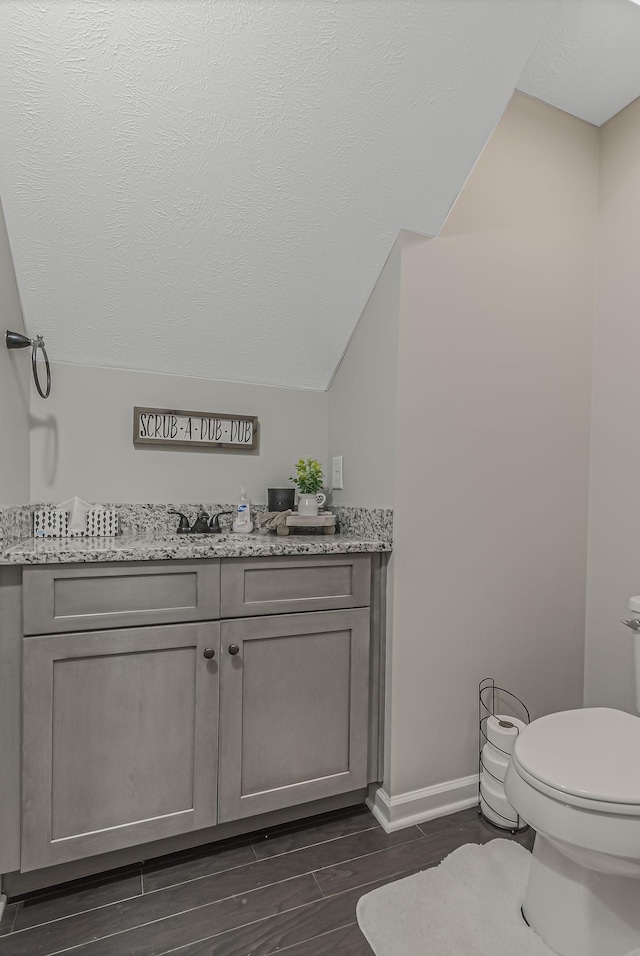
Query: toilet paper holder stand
493, 700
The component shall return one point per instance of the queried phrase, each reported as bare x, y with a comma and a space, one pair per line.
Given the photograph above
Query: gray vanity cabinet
145, 717
294, 709
119, 739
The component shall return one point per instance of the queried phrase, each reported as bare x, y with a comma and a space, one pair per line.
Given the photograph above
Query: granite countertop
140, 546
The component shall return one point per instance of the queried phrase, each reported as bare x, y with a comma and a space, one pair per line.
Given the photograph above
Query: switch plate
336, 473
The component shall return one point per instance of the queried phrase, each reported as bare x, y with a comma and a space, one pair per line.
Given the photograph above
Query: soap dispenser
242, 523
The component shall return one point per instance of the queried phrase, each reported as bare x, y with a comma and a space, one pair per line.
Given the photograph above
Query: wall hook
15, 340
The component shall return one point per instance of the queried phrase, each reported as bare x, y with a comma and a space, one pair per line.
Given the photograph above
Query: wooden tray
325, 521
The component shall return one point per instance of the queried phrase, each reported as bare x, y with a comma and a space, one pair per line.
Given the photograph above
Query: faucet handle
183, 527
214, 524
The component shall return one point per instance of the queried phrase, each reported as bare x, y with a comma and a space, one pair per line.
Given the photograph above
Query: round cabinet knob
209, 653
234, 649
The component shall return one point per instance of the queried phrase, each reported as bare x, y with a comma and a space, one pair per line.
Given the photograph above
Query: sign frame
168, 442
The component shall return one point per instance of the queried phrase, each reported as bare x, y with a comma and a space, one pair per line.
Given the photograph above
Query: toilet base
578, 911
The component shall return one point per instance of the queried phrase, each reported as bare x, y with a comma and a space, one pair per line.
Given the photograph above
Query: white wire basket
493, 759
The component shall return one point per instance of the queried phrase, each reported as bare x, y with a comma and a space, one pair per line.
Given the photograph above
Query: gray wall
492, 444
614, 520
84, 447
363, 417
362, 397
14, 387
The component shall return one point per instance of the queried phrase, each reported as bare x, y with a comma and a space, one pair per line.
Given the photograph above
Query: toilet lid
592, 753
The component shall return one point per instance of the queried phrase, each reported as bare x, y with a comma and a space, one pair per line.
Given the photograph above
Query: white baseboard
416, 806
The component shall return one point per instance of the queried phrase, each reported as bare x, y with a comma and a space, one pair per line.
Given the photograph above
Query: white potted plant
309, 479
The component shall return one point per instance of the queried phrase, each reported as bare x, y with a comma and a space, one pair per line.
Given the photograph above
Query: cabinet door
293, 710
119, 739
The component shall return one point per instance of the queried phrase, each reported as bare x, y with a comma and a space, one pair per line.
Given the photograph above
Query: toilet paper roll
502, 732
494, 803
494, 761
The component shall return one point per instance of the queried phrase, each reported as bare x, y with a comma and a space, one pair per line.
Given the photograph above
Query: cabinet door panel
120, 739
285, 585
294, 710
63, 598
158, 736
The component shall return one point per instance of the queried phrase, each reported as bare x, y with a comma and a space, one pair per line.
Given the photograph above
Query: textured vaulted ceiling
588, 61
211, 187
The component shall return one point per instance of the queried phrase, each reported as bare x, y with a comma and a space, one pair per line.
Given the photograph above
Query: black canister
281, 499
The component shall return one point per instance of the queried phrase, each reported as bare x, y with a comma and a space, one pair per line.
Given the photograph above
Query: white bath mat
469, 905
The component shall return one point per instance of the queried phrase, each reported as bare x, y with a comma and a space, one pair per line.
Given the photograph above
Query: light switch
336, 473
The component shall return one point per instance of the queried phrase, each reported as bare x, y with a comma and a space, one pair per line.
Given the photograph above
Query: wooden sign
167, 426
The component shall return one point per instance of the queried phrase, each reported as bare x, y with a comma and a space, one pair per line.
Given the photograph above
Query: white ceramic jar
309, 504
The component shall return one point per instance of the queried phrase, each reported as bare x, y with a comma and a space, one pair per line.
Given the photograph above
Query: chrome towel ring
15, 340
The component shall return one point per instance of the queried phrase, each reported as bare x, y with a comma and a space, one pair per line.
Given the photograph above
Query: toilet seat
587, 758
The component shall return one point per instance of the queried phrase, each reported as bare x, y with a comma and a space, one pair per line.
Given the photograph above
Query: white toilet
575, 777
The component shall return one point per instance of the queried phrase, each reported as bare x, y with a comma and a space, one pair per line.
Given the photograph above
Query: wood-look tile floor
291, 890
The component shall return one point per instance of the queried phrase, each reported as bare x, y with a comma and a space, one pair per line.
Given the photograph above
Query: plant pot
309, 504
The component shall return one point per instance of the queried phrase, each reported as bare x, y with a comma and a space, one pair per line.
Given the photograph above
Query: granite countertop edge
149, 547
